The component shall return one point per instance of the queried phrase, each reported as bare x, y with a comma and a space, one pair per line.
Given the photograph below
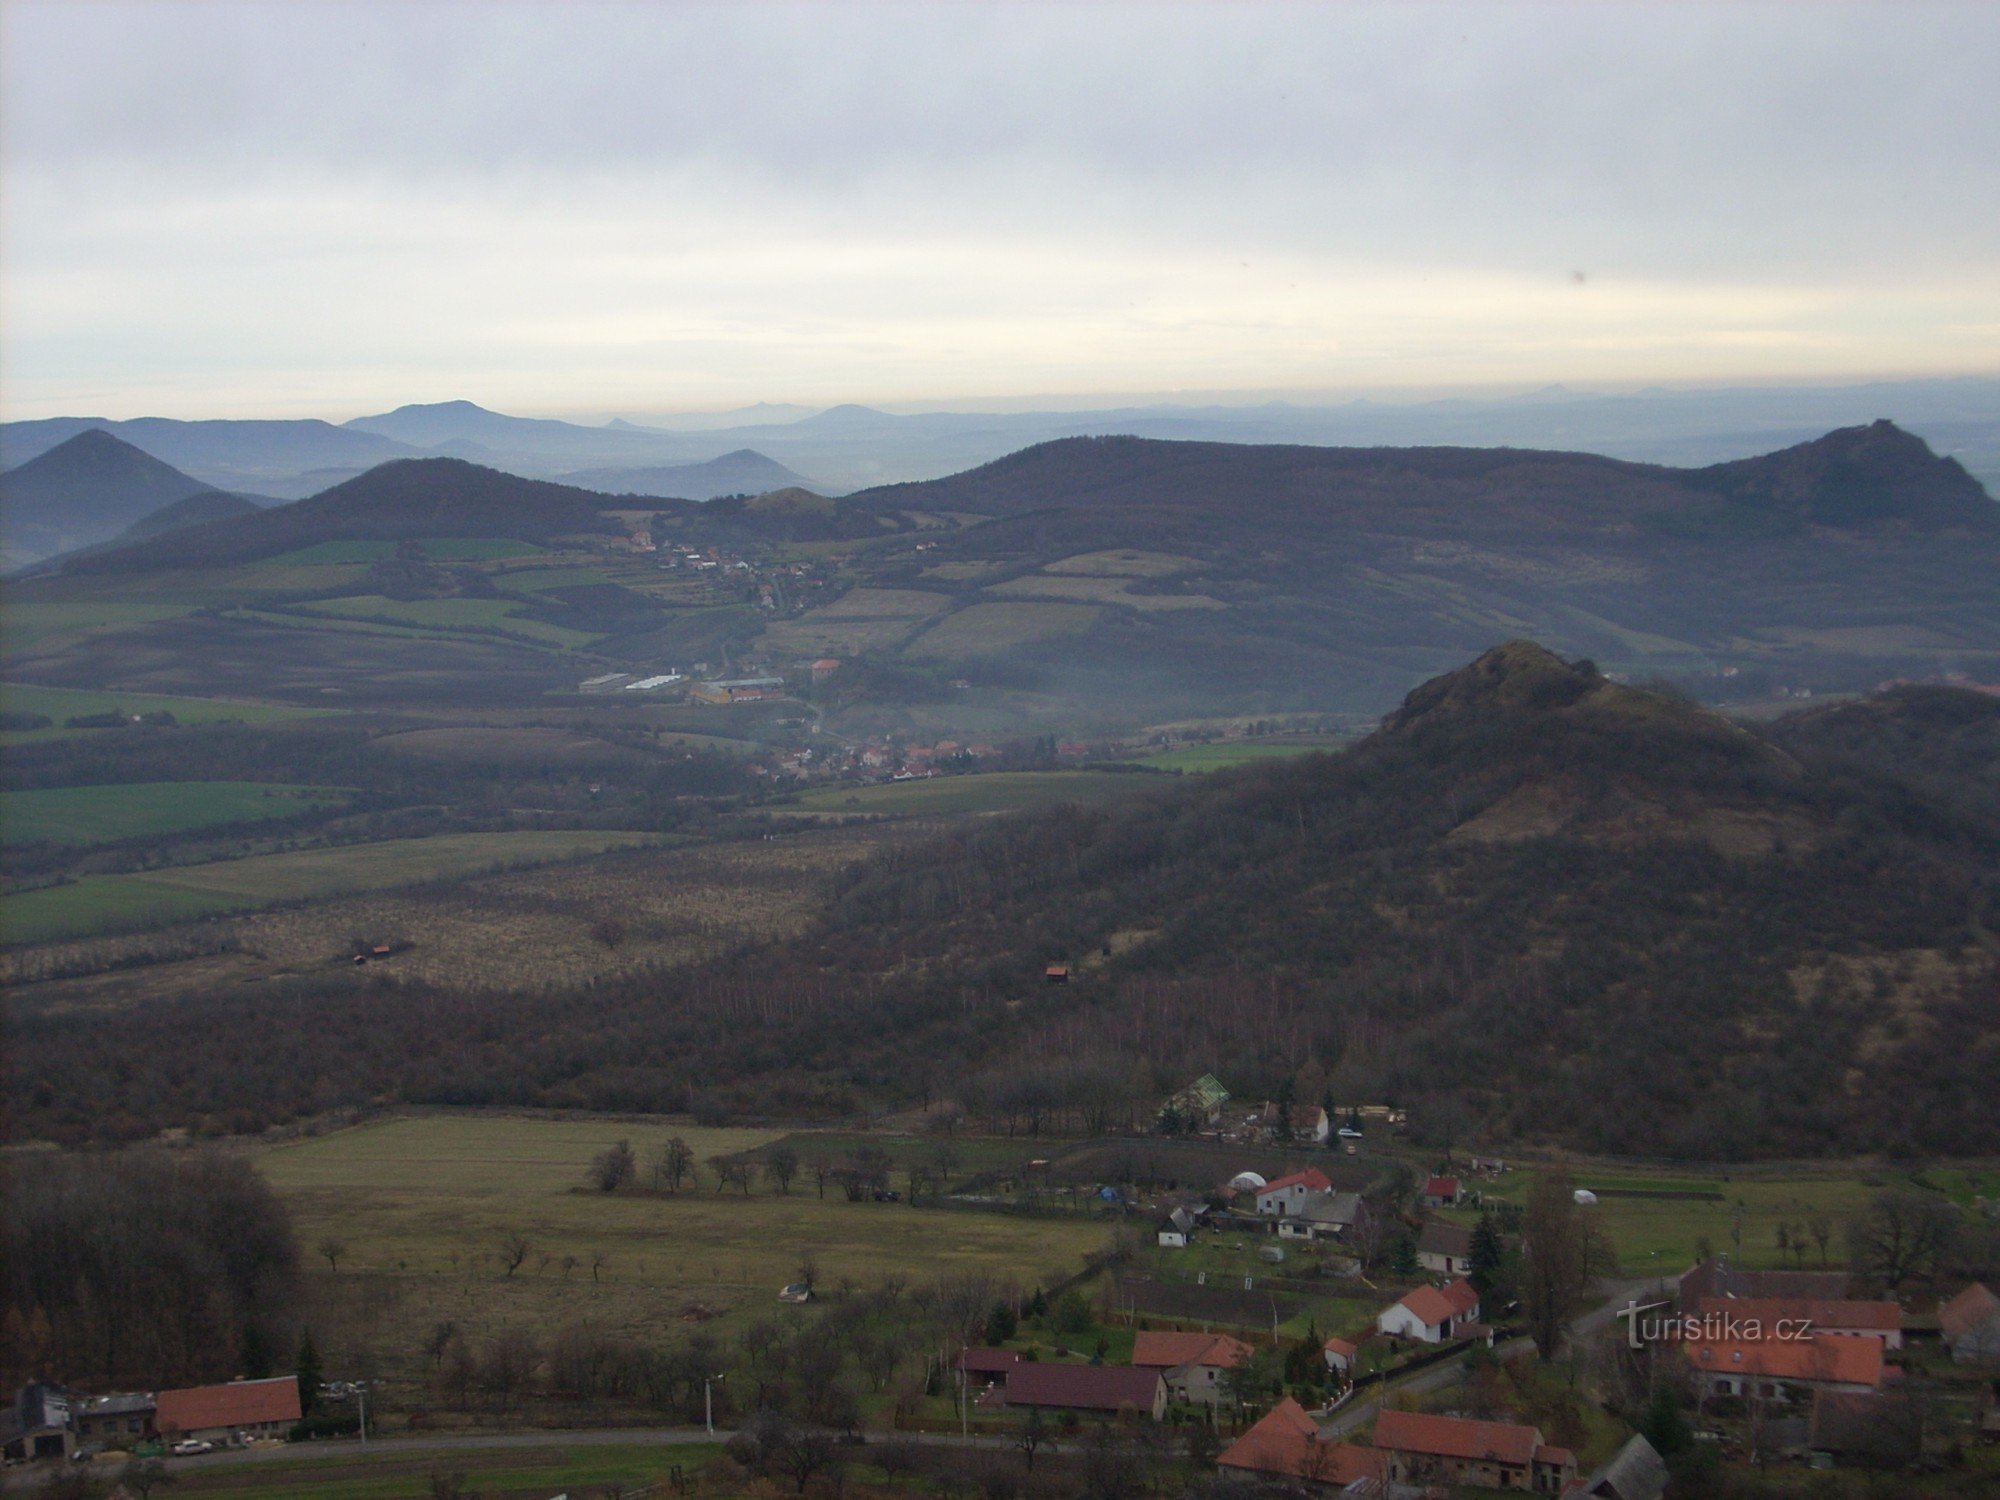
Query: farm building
1426, 1449
1202, 1100
1289, 1195
1780, 1368
1635, 1472
218, 1413
1444, 1248
1194, 1365
1882, 1320
984, 1367
738, 690
1286, 1443
1442, 1192
1715, 1277
1087, 1388
1970, 1325
1177, 1229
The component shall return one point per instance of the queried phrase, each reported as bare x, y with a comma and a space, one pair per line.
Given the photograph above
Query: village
1374, 1320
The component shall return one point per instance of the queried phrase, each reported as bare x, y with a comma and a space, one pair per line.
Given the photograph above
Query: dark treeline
1539, 907
144, 1269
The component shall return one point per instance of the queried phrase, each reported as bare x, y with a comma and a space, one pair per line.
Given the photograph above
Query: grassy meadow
97, 904
421, 1205
59, 704
1224, 754
99, 814
1659, 1235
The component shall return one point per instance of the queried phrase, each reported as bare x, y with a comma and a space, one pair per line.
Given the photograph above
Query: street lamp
708, 1384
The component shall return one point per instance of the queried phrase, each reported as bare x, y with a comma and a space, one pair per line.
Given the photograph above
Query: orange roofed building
1425, 1449
1286, 1443
1778, 1368
219, 1413
1194, 1365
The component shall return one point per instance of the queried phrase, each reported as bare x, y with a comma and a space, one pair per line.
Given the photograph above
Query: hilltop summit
1860, 477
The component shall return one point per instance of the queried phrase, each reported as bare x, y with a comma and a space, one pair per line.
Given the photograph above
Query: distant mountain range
850, 447
1119, 581
92, 488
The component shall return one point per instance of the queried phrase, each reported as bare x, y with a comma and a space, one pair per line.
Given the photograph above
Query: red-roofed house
1970, 1324
1341, 1355
1441, 1192
1288, 1195
1105, 1388
254, 1408
1773, 1367
1193, 1364
1882, 1320
1287, 1443
1433, 1314
1426, 1449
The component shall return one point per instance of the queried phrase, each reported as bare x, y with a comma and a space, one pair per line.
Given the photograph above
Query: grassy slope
59, 704
421, 1202
107, 903
98, 814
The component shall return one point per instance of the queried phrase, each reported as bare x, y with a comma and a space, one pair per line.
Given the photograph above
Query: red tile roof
1560, 1457
1440, 1187
1834, 1358
242, 1403
1092, 1387
1311, 1177
1169, 1351
1819, 1313
1967, 1311
1437, 1305
1287, 1442
1457, 1437
1342, 1347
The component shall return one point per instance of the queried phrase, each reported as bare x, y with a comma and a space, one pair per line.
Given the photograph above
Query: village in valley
1338, 1310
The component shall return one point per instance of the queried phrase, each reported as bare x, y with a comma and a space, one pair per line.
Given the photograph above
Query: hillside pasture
874, 603
444, 549
1226, 753
423, 1203
60, 704
101, 814
989, 629
1124, 562
99, 904
1099, 591
457, 614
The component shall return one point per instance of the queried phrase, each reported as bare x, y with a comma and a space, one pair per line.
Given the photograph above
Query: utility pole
364, 1413
708, 1383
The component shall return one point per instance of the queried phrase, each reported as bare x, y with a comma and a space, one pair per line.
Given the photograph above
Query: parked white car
188, 1447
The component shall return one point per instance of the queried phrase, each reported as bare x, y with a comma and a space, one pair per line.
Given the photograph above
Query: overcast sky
268, 209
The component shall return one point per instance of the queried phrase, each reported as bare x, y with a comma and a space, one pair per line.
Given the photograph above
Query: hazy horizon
327, 209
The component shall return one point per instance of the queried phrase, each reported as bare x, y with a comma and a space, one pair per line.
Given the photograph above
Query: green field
420, 1204
99, 814
25, 626
528, 580
996, 791
449, 614
1658, 1236
99, 904
446, 548
346, 1471
59, 704
1228, 753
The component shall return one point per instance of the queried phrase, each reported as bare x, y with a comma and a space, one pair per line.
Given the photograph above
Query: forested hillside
1536, 904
